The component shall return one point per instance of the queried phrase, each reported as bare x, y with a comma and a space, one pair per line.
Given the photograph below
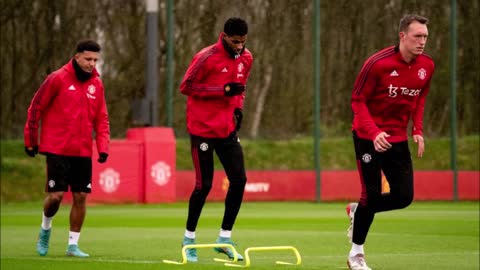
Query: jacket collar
70, 69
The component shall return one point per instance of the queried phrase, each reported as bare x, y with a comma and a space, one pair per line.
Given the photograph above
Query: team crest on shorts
366, 158
204, 146
51, 183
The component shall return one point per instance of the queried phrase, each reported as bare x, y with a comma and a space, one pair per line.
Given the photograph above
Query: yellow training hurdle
250, 249
184, 253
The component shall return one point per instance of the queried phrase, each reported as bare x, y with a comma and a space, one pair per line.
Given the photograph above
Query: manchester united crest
160, 173
240, 67
422, 73
91, 89
109, 180
204, 147
366, 158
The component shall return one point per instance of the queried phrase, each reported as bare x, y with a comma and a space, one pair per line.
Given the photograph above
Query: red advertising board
117, 181
335, 185
159, 162
142, 169
468, 185
261, 185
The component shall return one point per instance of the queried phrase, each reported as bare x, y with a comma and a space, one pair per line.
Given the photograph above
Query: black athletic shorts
64, 172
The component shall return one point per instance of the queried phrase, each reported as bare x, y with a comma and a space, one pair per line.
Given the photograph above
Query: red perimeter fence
141, 169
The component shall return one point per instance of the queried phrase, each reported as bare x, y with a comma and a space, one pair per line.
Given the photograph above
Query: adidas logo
224, 69
394, 74
89, 185
71, 87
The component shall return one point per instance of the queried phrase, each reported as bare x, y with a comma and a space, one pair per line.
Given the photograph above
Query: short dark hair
88, 45
408, 19
235, 27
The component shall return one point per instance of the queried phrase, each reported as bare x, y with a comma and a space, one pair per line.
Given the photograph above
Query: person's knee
79, 198
204, 189
55, 198
370, 205
405, 200
238, 183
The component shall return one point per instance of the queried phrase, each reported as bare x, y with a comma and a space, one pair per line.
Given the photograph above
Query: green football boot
42, 242
74, 251
191, 252
225, 250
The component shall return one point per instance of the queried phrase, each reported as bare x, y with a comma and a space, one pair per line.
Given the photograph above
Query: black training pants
396, 165
230, 154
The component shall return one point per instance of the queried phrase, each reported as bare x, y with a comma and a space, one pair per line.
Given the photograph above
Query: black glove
238, 118
31, 151
102, 157
232, 138
233, 89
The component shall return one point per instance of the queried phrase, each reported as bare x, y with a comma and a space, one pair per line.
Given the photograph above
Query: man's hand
418, 139
102, 157
233, 89
381, 144
32, 150
238, 118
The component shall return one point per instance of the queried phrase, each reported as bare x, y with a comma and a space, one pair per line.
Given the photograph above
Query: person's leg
77, 216
80, 184
230, 154
78, 211
51, 204
398, 170
396, 164
57, 184
362, 213
369, 168
55, 187
202, 157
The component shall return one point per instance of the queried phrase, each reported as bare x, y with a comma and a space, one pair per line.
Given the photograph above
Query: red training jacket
69, 111
209, 112
388, 93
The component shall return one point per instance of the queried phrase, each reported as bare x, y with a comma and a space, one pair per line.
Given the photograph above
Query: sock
225, 233
73, 238
189, 234
356, 249
46, 222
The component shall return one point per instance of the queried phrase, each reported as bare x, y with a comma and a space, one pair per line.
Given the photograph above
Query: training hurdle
184, 253
272, 248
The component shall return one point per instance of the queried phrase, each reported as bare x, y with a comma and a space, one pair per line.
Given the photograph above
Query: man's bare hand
418, 139
381, 144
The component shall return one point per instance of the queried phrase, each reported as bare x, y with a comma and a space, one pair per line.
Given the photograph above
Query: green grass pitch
427, 235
